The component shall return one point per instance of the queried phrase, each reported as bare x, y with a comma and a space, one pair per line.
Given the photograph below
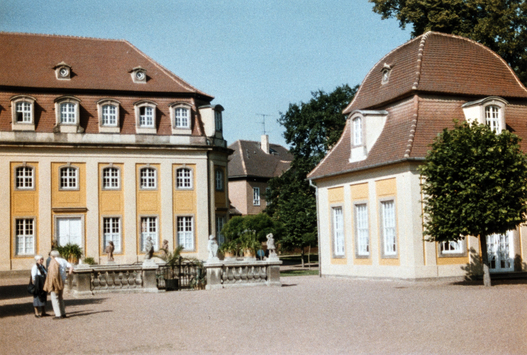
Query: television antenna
263, 120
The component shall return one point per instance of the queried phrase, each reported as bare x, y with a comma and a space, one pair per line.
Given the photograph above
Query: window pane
219, 179
109, 115
185, 232
182, 117
184, 178
23, 112
110, 178
149, 229
24, 178
338, 231
112, 232
68, 178
25, 237
357, 131
146, 116
361, 220
388, 223
148, 178
256, 196
67, 112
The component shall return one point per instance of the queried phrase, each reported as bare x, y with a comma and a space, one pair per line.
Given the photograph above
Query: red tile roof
438, 63
28, 60
431, 77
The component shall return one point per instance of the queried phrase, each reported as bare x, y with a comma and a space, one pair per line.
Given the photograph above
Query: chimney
265, 143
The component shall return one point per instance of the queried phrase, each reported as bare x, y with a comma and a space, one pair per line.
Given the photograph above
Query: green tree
311, 129
500, 25
474, 184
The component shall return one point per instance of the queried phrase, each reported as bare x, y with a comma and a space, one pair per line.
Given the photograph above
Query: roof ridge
420, 51
369, 72
171, 75
242, 158
61, 36
413, 126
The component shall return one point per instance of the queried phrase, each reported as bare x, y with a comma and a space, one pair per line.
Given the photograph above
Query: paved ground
307, 315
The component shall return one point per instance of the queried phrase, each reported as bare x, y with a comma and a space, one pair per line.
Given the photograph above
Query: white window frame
337, 227
148, 181
362, 232
24, 177
108, 121
72, 121
181, 123
142, 120
220, 179
69, 181
220, 222
149, 227
111, 178
388, 228
185, 232
358, 138
493, 117
184, 178
256, 196
112, 231
452, 248
27, 123
25, 236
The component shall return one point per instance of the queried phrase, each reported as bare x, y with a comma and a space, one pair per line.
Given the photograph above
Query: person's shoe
55, 318
37, 315
63, 316
45, 315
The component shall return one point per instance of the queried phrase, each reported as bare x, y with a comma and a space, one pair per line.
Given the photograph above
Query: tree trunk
309, 256
485, 257
302, 257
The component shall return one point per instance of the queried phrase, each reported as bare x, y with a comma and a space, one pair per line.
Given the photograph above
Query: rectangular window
67, 113
492, 118
148, 178
23, 112
452, 247
68, 178
218, 121
220, 222
219, 180
338, 231
182, 118
357, 131
146, 116
24, 178
256, 196
363, 236
184, 178
25, 236
149, 229
109, 115
110, 178
388, 228
185, 232
112, 232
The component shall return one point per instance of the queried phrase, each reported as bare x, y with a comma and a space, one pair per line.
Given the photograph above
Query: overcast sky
254, 56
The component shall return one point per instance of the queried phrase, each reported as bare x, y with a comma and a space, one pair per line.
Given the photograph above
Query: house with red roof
251, 166
100, 143
368, 186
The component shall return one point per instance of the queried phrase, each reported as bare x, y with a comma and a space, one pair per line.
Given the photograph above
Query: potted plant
172, 259
229, 249
71, 252
249, 243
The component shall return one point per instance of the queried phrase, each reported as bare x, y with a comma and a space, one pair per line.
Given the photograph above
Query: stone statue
212, 247
271, 247
149, 248
164, 248
109, 250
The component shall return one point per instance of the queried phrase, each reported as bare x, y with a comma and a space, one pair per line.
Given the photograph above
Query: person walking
38, 276
55, 283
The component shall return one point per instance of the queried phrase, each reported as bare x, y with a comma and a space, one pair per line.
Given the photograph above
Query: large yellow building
100, 143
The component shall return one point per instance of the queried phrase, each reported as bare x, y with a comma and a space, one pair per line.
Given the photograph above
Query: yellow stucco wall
148, 203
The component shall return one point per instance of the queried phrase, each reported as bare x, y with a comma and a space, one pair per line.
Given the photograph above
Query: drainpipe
318, 230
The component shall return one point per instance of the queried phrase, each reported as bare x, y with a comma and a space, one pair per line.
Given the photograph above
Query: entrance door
69, 230
500, 252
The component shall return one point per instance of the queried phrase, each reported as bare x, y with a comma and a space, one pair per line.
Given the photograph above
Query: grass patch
305, 272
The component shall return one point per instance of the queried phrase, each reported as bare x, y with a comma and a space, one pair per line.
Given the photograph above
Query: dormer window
489, 111
22, 108
385, 71
62, 71
181, 116
357, 131
67, 114
218, 121
108, 115
138, 75
145, 116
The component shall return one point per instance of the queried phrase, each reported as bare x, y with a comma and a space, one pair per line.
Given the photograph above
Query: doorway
501, 252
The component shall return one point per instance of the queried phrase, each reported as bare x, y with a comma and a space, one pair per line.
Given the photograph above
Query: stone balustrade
238, 273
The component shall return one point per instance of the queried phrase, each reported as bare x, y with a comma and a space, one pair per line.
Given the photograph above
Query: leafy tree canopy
500, 25
261, 223
474, 183
311, 129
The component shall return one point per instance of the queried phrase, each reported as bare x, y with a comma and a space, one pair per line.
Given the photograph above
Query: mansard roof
249, 160
29, 60
431, 77
437, 63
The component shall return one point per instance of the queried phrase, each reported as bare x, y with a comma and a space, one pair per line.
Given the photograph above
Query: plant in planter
89, 260
249, 243
70, 252
230, 249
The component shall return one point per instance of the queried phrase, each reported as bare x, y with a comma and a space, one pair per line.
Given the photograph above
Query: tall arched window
184, 178
357, 131
148, 178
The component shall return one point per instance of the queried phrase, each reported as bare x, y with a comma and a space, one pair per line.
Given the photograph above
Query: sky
254, 56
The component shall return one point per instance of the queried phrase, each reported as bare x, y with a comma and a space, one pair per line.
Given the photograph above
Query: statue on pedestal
109, 250
149, 248
212, 247
271, 247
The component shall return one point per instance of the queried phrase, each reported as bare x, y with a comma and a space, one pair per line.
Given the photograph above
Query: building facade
368, 186
100, 143
251, 166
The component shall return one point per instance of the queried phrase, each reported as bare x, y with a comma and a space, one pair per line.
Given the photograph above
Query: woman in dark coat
38, 276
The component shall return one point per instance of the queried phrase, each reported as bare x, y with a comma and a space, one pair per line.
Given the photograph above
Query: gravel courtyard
307, 315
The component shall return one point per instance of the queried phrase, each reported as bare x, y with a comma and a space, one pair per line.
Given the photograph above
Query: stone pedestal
273, 274
149, 276
213, 275
82, 280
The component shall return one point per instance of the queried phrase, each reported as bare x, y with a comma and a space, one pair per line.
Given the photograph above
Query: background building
98, 142
251, 166
369, 196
